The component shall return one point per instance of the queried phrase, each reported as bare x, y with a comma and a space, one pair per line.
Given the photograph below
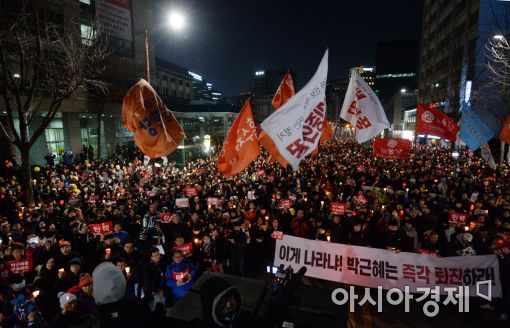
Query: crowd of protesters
159, 246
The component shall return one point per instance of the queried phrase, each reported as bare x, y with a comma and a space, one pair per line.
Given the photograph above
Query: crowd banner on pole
241, 146
371, 267
156, 131
392, 148
472, 130
363, 110
295, 128
487, 156
431, 121
285, 91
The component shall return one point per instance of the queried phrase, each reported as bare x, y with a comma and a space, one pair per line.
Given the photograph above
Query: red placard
285, 203
361, 199
190, 191
457, 218
212, 201
270, 178
392, 148
18, 266
186, 249
261, 172
427, 252
337, 208
166, 217
277, 235
101, 228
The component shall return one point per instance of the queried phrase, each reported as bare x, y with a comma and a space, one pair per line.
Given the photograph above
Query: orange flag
284, 92
241, 146
326, 135
156, 131
505, 131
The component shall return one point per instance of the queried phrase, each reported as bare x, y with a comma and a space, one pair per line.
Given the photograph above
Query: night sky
226, 41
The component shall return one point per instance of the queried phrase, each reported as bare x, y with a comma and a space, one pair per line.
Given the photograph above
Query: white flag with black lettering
363, 110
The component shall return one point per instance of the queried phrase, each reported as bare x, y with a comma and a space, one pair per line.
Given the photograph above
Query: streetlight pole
147, 63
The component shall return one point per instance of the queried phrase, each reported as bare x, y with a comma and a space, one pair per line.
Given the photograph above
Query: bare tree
42, 63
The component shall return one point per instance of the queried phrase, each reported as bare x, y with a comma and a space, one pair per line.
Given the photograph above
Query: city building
335, 94
397, 68
453, 53
367, 73
266, 82
396, 108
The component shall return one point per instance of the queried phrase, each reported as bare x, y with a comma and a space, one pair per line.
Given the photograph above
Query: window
87, 33
55, 141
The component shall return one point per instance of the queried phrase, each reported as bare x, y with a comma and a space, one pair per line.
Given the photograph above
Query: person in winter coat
180, 275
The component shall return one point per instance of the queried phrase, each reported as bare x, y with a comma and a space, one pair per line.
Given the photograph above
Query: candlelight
61, 270
35, 293
128, 269
108, 251
328, 238
196, 240
466, 228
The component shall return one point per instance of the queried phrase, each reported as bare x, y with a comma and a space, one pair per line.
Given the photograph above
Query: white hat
109, 284
66, 298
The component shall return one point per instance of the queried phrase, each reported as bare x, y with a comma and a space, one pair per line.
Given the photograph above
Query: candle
196, 240
322, 203
466, 228
108, 251
35, 293
209, 206
328, 238
128, 269
267, 218
61, 270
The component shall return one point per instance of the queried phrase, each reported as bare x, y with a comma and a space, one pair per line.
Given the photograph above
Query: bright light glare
499, 37
176, 21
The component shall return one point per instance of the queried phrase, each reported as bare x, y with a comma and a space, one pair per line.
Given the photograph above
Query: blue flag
472, 130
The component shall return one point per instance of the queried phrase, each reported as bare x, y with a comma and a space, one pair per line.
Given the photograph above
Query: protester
232, 225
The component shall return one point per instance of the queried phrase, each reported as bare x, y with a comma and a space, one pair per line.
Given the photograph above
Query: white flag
508, 157
487, 156
363, 110
295, 128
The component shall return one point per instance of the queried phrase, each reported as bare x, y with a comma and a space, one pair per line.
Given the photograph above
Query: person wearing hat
64, 255
84, 294
69, 312
70, 276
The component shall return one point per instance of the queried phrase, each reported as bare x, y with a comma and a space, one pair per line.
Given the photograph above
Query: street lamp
177, 21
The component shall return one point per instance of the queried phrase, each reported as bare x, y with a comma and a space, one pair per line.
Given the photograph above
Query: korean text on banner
371, 267
434, 122
393, 148
241, 146
472, 130
156, 131
363, 110
295, 128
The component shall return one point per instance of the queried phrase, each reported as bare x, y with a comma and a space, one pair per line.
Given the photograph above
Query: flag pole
147, 64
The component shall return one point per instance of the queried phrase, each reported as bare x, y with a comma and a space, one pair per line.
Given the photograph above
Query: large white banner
371, 267
296, 127
363, 110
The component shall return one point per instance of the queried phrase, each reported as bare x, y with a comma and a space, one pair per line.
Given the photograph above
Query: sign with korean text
190, 191
186, 249
285, 203
101, 228
166, 217
371, 267
19, 266
392, 148
361, 199
457, 218
212, 201
337, 208
277, 235
182, 202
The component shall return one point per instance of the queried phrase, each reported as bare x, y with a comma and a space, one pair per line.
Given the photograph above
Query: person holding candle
180, 275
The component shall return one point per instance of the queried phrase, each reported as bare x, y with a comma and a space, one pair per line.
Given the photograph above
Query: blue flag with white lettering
472, 130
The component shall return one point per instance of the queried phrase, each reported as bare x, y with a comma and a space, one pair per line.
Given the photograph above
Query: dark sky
226, 41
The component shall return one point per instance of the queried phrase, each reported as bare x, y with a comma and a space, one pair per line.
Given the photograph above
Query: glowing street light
176, 20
